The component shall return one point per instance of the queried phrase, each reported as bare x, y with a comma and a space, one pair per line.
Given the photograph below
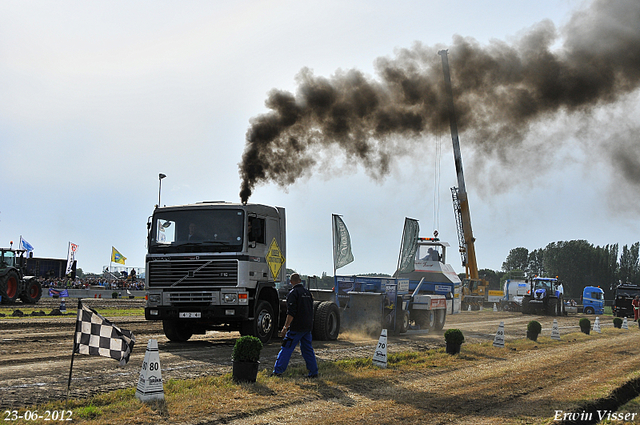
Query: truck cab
215, 266
624, 295
593, 300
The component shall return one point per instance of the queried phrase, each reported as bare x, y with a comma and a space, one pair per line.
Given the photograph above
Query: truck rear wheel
441, 317
263, 324
9, 287
326, 326
176, 331
32, 293
424, 318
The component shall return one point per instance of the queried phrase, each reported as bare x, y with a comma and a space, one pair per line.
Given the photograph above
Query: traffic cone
596, 326
380, 355
498, 341
150, 385
555, 331
494, 307
625, 325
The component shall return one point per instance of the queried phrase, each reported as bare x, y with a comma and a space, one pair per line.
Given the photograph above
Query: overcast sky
97, 98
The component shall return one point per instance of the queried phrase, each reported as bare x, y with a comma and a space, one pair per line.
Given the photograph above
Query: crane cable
436, 183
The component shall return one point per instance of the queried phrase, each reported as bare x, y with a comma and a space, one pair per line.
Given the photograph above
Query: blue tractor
545, 296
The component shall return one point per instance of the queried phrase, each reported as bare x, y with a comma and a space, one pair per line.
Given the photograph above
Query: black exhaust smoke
500, 91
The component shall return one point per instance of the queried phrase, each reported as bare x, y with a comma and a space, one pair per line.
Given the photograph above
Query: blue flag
25, 245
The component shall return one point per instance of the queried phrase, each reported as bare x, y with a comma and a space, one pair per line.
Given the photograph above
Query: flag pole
333, 241
75, 345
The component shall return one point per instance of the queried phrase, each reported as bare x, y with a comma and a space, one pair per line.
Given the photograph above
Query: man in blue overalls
297, 329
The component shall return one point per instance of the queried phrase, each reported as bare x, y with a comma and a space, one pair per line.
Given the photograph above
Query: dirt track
35, 356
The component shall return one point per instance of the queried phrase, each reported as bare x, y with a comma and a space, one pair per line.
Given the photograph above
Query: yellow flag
116, 257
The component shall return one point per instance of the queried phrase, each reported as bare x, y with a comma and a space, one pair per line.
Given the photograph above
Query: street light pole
160, 177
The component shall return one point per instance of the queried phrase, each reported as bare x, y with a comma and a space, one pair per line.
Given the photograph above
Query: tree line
577, 264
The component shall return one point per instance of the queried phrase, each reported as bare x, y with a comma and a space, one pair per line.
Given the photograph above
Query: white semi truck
222, 266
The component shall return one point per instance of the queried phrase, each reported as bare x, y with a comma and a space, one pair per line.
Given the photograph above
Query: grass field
355, 391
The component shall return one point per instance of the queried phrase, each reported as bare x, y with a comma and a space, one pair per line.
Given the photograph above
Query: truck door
275, 250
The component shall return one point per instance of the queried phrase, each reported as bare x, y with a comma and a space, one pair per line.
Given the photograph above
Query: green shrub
247, 349
617, 322
534, 327
585, 325
454, 336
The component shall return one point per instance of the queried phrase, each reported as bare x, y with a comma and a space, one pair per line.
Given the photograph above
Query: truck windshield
197, 230
627, 292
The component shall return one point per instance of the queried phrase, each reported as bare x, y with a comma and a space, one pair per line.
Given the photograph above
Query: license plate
189, 315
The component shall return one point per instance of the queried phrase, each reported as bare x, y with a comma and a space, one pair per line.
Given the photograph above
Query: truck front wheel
176, 331
403, 322
263, 324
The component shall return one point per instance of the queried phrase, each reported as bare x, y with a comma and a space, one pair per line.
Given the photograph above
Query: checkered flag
96, 336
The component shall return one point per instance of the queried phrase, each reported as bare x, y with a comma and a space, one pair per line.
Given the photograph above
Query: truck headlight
155, 298
229, 298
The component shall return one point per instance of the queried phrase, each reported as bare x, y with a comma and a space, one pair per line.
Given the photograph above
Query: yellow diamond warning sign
275, 259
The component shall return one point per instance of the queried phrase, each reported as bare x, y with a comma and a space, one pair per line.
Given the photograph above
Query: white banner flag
71, 257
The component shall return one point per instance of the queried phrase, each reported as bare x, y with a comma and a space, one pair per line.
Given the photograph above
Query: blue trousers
289, 343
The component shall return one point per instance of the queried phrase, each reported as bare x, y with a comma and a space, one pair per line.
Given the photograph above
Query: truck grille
190, 273
192, 297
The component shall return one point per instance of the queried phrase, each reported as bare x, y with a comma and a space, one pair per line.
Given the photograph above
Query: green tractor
13, 284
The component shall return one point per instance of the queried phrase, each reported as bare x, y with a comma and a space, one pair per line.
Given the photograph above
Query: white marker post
495, 308
625, 325
150, 385
555, 331
498, 341
596, 326
380, 356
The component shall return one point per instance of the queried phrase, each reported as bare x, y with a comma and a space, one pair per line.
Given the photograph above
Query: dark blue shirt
300, 306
